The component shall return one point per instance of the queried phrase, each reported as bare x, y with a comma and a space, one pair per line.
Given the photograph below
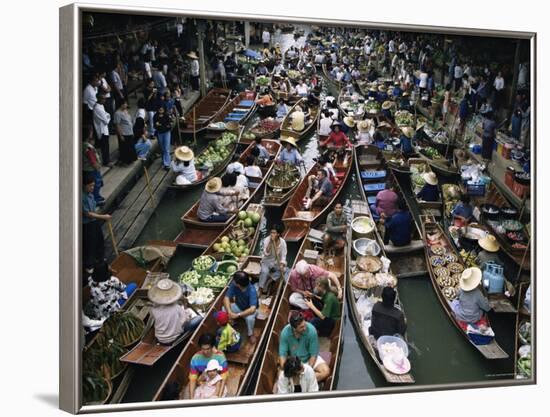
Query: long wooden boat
310, 124
374, 176
241, 363
199, 234
430, 227
336, 84
329, 347
433, 208
148, 351
360, 209
202, 113
276, 195
202, 176
239, 110
296, 220
521, 256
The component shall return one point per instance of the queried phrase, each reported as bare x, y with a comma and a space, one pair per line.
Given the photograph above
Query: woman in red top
337, 138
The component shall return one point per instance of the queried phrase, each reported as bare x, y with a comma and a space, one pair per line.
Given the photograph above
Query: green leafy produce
372, 106
403, 118
191, 278
263, 81
217, 151
432, 153
203, 263
95, 388
123, 327
215, 281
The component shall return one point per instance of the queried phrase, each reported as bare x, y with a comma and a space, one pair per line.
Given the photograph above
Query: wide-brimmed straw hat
384, 125
165, 292
430, 178
349, 122
213, 185
406, 94
184, 153
470, 279
397, 364
382, 88
489, 243
288, 139
373, 89
408, 131
364, 125
386, 105
192, 55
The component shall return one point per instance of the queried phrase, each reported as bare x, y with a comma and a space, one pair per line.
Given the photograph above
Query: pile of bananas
468, 258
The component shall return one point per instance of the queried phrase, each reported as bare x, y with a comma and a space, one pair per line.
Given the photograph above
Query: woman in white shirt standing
184, 166
325, 123
101, 121
195, 71
499, 90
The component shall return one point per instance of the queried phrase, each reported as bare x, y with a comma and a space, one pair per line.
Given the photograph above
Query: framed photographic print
260, 208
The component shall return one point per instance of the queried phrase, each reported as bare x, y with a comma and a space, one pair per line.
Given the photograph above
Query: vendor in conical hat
387, 106
289, 155
337, 138
405, 140
365, 131
470, 305
184, 166
382, 94
405, 103
489, 251
430, 190
210, 207
171, 319
195, 70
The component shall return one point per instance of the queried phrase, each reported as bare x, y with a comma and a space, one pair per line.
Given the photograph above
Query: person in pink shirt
302, 282
386, 202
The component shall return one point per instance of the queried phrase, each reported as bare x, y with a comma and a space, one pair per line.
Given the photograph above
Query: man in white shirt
195, 74
160, 80
266, 38
101, 121
89, 98
118, 87
391, 46
325, 123
499, 89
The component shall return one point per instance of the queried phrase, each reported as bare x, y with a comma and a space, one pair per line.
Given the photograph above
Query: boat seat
374, 188
246, 103
340, 174
371, 199
414, 245
373, 175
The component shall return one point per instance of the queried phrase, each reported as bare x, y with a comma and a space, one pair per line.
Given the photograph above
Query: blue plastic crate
232, 119
475, 189
374, 188
241, 115
373, 175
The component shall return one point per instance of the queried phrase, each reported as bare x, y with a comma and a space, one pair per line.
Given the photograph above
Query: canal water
439, 354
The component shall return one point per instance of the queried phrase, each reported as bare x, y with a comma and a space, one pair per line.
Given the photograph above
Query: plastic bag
385, 264
364, 306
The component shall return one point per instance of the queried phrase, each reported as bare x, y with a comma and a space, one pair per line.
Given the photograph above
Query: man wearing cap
262, 69
302, 280
241, 302
387, 319
290, 155
171, 318
299, 338
489, 251
227, 338
210, 206
470, 304
430, 191
184, 166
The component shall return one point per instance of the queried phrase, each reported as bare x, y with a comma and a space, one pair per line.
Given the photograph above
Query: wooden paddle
112, 234
149, 187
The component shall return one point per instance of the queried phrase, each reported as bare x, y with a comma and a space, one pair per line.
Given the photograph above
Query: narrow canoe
202, 113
